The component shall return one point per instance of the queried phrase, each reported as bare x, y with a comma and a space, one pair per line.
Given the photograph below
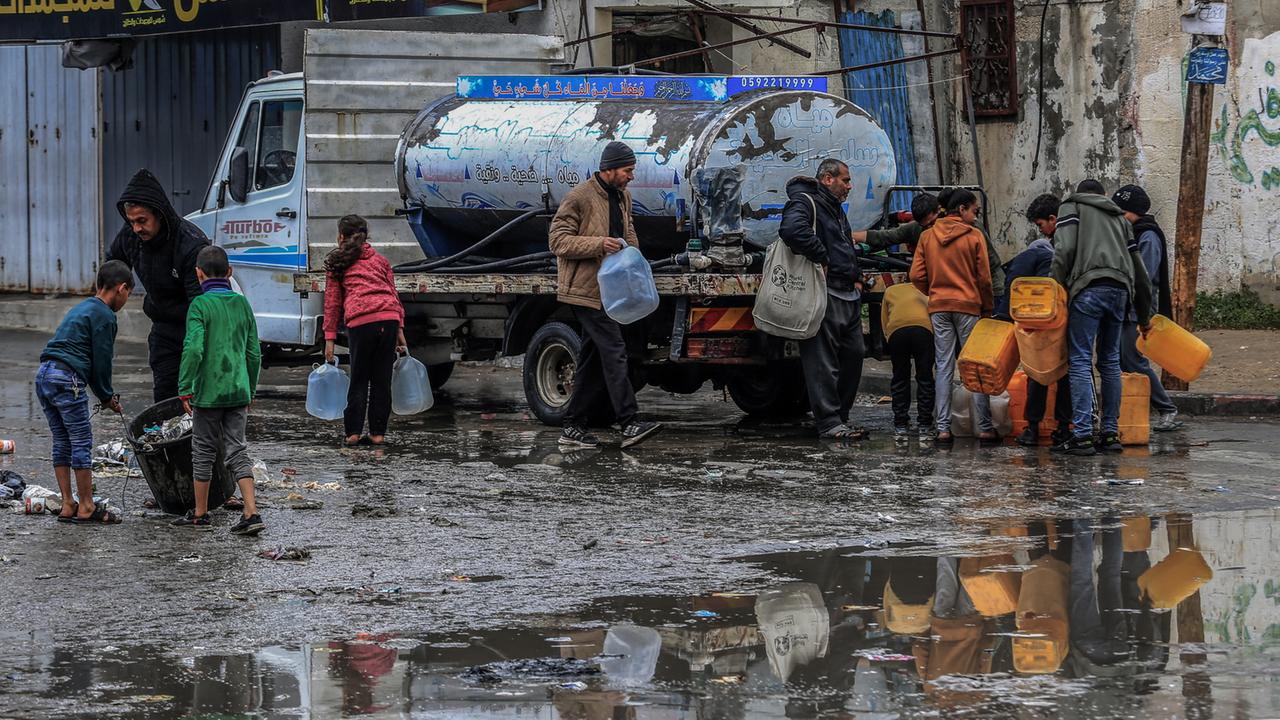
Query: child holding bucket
221, 359
360, 292
75, 361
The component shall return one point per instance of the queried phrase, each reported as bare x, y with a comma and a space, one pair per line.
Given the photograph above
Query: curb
1236, 405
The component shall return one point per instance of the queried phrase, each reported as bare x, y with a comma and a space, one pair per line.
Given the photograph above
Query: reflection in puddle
1136, 616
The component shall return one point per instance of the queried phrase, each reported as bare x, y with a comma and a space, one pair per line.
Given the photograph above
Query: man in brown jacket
594, 220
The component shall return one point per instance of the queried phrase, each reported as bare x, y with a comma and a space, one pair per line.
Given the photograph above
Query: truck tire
771, 391
548, 371
439, 374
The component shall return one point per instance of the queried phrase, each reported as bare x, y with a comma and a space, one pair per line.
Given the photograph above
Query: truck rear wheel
548, 371
772, 391
439, 374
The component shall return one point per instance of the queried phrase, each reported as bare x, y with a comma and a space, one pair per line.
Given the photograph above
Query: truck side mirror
238, 175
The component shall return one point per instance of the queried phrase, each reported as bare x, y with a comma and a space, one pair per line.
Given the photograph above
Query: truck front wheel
548, 371
439, 374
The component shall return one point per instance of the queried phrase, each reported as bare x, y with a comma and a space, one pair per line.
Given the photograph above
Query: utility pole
1197, 124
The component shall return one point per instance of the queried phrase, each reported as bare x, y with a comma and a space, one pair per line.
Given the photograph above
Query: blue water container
327, 387
627, 290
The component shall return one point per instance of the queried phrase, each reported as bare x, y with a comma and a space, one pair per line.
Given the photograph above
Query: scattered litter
884, 400
115, 452
193, 558
727, 679
459, 578
288, 471
296, 501
46, 577
551, 668
292, 554
488, 416
705, 613
313, 485
1116, 481
1217, 488
882, 517
576, 686
171, 429
879, 656
591, 543
859, 608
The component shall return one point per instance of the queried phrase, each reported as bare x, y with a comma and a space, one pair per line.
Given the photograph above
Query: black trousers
373, 352
832, 363
601, 368
1038, 398
164, 345
906, 346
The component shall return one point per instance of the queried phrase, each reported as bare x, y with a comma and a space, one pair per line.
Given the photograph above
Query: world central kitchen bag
792, 298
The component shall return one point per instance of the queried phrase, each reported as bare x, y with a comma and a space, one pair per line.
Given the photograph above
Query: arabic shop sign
35, 20
696, 88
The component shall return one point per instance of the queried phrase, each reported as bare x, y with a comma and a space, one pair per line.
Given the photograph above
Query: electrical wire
1035, 160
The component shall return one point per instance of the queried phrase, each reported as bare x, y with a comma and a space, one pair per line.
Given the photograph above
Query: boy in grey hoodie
1096, 259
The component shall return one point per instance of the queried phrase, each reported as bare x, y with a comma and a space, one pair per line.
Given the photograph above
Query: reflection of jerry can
1175, 578
1042, 610
993, 593
1136, 533
904, 619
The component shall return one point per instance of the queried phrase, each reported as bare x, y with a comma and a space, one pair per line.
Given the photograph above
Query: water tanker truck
459, 160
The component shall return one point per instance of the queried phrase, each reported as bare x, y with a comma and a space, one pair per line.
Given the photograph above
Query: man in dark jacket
1152, 247
1036, 261
161, 248
815, 226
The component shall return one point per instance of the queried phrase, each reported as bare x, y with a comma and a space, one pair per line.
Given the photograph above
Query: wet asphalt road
475, 539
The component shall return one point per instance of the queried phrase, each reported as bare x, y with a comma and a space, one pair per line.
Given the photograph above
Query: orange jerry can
1043, 353
1135, 409
990, 357
1174, 349
1038, 303
1018, 406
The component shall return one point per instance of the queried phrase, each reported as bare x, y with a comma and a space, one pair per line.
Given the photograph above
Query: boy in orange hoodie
951, 268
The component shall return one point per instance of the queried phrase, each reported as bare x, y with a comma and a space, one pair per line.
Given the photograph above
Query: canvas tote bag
792, 299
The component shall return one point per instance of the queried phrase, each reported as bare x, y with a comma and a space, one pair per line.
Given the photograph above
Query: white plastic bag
792, 299
410, 387
327, 387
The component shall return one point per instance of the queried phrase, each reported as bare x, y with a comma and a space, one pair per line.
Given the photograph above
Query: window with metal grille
990, 56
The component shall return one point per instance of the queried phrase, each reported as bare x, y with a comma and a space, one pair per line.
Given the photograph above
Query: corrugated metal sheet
363, 87
62, 166
14, 246
881, 91
170, 112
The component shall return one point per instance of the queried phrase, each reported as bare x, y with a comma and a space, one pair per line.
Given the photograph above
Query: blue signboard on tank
1207, 66
687, 88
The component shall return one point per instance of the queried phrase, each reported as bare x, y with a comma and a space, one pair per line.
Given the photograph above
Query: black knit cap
1132, 198
617, 155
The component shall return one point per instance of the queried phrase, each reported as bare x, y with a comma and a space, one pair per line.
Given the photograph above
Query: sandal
151, 504
66, 518
99, 515
233, 503
945, 438
844, 432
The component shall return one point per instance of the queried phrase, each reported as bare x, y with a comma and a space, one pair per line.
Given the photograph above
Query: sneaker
577, 436
1030, 436
251, 525
1167, 422
192, 520
1081, 446
900, 432
1060, 436
637, 430
1108, 443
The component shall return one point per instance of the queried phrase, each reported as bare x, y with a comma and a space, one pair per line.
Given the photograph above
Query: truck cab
255, 208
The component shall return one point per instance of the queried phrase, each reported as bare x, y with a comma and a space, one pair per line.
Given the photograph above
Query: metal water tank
466, 166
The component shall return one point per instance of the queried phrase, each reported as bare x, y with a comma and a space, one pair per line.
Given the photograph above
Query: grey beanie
1132, 198
617, 155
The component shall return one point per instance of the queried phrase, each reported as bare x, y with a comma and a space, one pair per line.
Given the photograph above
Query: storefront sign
44, 20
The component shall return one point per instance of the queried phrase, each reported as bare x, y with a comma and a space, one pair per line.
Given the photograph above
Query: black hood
144, 189
802, 184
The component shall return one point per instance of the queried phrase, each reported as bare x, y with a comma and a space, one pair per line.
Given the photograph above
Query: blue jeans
65, 400
1097, 316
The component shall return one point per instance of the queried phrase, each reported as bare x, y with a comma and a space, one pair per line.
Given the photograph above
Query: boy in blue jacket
1035, 261
76, 361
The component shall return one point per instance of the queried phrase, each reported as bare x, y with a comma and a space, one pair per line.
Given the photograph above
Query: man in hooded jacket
161, 248
814, 225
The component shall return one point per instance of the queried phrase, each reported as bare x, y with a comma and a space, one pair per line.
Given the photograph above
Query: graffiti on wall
1238, 143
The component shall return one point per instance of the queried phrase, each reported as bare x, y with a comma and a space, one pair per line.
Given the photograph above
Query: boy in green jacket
216, 381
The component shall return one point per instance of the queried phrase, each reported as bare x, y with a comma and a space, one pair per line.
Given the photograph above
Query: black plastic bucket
166, 465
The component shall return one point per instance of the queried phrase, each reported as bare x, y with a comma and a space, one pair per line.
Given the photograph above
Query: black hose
506, 264
429, 265
1035, 159
665, 262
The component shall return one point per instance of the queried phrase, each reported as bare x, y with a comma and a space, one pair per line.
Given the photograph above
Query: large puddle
1174, 616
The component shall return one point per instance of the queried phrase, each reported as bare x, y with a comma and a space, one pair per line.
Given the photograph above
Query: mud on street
474, 570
